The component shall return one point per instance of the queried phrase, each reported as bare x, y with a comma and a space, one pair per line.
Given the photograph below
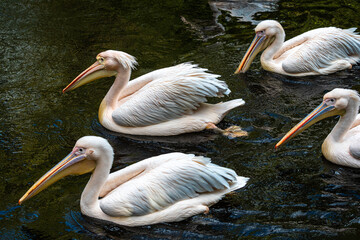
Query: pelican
342, 145
317, 52
165, 188
165, 102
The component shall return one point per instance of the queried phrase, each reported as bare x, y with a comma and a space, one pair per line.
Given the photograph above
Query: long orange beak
95, 71
254, 48
319, 113
71, 164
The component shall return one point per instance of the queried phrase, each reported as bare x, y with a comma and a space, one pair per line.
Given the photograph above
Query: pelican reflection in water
165, 188
342, 145
319, 51
165, 102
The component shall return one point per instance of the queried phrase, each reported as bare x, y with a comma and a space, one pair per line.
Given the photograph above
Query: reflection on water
243, 11
292, 193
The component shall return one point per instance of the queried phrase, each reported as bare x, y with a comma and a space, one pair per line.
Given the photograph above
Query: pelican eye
261, 33
81, 150
101, 60
330, 101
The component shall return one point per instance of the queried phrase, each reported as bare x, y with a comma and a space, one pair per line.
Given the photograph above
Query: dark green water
293, 193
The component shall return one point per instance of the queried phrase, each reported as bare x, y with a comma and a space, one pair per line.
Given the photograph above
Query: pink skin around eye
261, 33
330, 101
78, 151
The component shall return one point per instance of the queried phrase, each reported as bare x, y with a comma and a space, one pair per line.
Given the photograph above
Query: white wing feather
178, 177
353, 139
354, 150
178, 91
321, 48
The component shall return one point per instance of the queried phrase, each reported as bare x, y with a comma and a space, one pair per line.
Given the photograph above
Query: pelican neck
90, 196
345, 122
120, 82
275, 46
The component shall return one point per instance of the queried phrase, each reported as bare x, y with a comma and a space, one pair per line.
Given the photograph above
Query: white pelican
319, 51
165, 102
165, 188
342, 145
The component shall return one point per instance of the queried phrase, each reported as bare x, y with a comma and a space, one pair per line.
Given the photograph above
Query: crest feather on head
125, 59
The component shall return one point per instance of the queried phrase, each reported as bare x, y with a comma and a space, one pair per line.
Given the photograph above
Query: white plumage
174, 92
165, 102
165, 180
166, 188
319, 51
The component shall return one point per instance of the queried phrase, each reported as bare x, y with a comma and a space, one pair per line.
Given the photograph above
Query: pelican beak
71, 165
94, 72
319, 113
255, 47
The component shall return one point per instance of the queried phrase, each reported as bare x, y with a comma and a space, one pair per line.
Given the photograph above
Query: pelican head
83, 159
335, 102
107, 64
265, 33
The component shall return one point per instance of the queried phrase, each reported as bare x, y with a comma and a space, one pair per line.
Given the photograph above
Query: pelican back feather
323, 48
178, 177
179, 90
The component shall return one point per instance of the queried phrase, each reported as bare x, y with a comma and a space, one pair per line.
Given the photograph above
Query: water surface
293, 193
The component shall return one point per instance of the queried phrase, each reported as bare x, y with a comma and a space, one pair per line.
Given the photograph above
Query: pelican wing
354, 149
179, 90
352, 138
167, 179
320, 48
